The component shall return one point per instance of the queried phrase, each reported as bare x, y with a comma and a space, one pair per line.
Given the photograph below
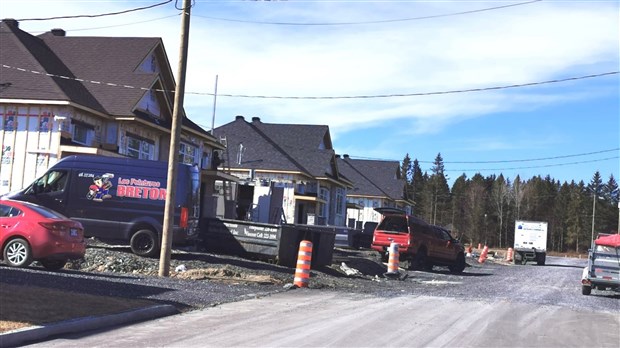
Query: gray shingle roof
275, 147
104, 59
108, 60
373, 177
24, 51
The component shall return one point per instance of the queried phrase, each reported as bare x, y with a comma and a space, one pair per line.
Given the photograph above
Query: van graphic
100, 188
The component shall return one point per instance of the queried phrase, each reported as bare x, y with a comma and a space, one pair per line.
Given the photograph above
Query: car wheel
419, 260
459, 264
17, 253
144, 243
53, 265
586, 290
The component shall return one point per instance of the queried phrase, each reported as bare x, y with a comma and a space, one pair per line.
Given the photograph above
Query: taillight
55, 227
184, 217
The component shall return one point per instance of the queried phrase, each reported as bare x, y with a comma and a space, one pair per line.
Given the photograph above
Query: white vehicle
603, 270
530, 242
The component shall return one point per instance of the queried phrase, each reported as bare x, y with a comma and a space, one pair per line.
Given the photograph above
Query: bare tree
499, 197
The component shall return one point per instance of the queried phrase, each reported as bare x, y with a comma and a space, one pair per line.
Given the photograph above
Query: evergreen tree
439, 194
419, 182
575, 220
499, 198
406, 174
460, 209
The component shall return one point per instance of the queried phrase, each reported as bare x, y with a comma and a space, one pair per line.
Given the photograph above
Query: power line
325, 97
525, 160
417, 94
507, 161
95, 15
369, 22
122, 25
531, 167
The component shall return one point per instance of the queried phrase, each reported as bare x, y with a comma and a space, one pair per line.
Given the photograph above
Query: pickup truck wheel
17, 253
586, 290
53, 265
459, 264
144, 243
419, 261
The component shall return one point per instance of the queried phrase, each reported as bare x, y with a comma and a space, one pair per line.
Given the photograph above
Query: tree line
484, 209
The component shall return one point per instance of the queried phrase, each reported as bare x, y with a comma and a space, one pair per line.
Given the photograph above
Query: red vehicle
420, 245
30, 232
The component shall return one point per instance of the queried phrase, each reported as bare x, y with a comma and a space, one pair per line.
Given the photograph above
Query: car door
445, 246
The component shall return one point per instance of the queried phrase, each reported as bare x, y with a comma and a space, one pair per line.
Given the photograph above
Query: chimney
337, 156
255, 119
239, 118
58, 32
10, 22
345, 156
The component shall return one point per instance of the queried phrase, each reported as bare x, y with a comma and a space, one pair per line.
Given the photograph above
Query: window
324, 207
339, 201
8, 211
140, 148
82, 133
187, 153
53, 181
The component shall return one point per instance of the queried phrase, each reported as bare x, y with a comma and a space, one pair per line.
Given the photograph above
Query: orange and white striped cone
304, 261
483, 255
510, 254
394, 259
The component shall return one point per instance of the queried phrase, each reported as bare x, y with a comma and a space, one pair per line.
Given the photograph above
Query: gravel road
210, 279
490, 304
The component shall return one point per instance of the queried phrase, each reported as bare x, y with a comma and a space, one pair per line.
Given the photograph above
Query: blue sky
394, 48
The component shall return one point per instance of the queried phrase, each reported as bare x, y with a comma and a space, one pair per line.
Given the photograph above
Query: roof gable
42, 68
299, 148
117, 61
374, 178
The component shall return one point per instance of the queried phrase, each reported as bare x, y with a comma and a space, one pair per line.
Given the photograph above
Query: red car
30, 232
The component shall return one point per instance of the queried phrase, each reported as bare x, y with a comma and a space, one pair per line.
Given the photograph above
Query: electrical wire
328, 97
508, 161
120, 25
416, 94
95, 15
531, 167
369, 22
525, 160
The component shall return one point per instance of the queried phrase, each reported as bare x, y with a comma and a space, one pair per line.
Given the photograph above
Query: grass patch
25, 306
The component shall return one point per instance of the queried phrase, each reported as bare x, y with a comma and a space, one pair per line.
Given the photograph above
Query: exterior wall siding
30, 140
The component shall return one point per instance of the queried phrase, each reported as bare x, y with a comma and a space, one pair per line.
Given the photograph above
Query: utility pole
173, 158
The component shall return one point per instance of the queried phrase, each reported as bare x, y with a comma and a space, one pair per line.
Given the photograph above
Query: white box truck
530, 242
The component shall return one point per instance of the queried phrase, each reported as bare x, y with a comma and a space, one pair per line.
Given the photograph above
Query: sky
528, 88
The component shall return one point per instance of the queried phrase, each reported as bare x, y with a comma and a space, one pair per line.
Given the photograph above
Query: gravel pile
202, 266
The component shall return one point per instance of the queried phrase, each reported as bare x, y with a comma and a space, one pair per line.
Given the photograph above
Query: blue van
119, 199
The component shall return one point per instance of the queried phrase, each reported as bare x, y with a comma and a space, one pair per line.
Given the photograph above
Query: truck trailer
530, 242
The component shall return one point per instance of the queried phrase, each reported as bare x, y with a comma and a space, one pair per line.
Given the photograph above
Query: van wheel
459, 264
17, 253
586, 290
144, 243
53, 265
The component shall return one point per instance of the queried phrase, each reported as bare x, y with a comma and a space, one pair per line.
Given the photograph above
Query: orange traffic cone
304, 260
393, 259
509, 254
483, 255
